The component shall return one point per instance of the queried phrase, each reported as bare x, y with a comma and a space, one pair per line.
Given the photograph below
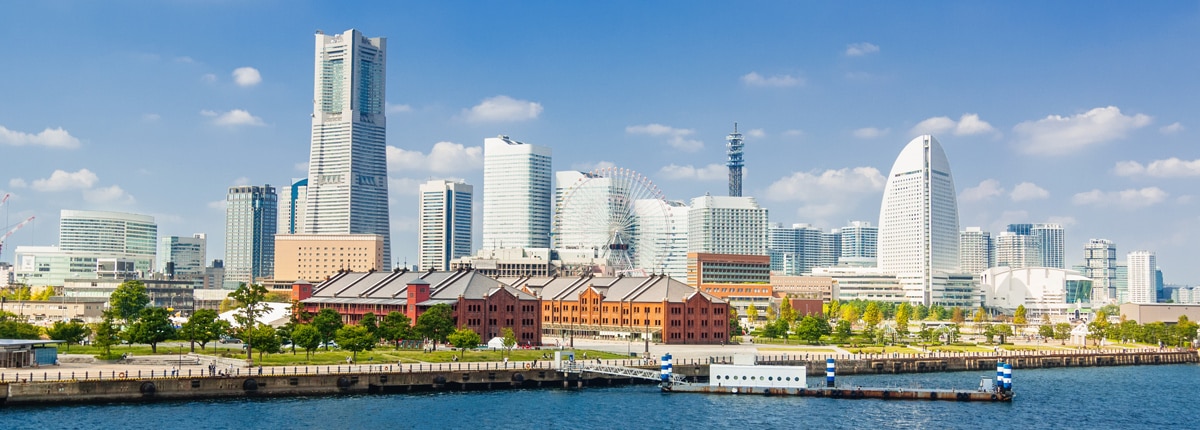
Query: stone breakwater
48, 388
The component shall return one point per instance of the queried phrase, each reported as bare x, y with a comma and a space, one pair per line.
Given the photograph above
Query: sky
1082, 113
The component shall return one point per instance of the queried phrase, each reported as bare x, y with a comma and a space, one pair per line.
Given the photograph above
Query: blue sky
1082, 113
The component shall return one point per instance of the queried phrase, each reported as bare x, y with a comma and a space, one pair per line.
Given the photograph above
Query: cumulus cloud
1173, 128
444, 157
110, 194
754, 79
17, 183
966, 125
757, 133
502, 109
62, 180
986, 189
1129, 199
1168, 168
870, 132
1028, 191
50, 138
397, 109
828, 193
233, 118
676, 137
711, 172
246, 76
861, 49
1060, 135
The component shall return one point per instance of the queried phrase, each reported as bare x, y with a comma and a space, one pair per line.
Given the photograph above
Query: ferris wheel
617, 216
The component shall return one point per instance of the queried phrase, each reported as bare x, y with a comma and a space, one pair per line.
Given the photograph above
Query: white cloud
820, 186
1028, 191
1059, 135
676, 137
208, 78
404, 186
986, 189
711, 172
1065, 221
1131, 198
392, 109
50, 138
17, 183
870, 132
967, 125
218, 205
233, 118
62, 180
185, 60
110, 194
246, 76
444, 157
588, 167
1173, 128
503, 109
1169, 168
757, 133
150, 117
779, 81
861, 49
793, 133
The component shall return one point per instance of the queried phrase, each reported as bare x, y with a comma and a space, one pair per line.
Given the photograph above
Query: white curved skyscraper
918, 220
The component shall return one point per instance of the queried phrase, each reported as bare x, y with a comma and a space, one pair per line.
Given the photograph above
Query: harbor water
1157, 397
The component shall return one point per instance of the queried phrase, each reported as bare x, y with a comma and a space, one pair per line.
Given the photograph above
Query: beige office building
315, 257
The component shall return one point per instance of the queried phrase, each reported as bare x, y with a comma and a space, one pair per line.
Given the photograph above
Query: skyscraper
796, 250
1142, 277
918, 220
109, 233
860, 240
1050, 240
293, 203
347, 170
975, 250
727, 225
1100, 264
182, 257
250, 217
444, 224
735, 163
516, 194
1017, 251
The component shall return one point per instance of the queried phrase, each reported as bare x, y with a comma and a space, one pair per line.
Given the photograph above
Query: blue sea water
1132, 397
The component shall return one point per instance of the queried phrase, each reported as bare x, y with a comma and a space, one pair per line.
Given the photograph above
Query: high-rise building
317, 257
444, 224
1100, 264
120, 234
859, 240
517, 194
1017, 251
1142, 278
182, 257
798, 249
347, 188
975, 250
727, 225
293, 203
250, 217
1051, 239
918, 220
735, 163
671, 217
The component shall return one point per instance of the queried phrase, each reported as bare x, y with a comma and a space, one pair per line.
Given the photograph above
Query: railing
630, 372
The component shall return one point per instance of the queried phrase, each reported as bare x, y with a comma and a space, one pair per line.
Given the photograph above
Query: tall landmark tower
735, 163
347, 170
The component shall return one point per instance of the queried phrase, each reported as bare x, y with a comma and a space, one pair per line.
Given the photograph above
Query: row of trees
24, 292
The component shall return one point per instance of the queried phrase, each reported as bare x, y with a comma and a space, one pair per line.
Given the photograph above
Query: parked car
227, 339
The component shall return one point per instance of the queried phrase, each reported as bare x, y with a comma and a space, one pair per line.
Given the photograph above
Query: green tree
371, 323
509, 339
812, 328
202, 327
903, 313
849, 314
786, 311
436, 324
835, 308
771, 314
14, 327
1186, 330
250, 298
69, 332
128, 300
1062, 331
308, 337
937, 313
752, 315
1098, 328
107, 334
227, 305
735, 324
1046, 331
263, 337
17, 293
284, 333
842, 332
327, 321
278, 297
957, 317
355, 338
462, 339
153, 325
43, 294
1019, 316
395, 327
872, 317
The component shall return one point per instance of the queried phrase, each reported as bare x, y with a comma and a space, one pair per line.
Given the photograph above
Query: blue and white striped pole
1007, 376
666, 368
829, 372
999, 375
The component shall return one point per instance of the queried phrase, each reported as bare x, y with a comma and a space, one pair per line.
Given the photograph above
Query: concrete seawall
57, 390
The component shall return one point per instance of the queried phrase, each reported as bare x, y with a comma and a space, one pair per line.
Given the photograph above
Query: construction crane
11, 230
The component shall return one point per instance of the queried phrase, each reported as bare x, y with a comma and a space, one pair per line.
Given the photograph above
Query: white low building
1043, 290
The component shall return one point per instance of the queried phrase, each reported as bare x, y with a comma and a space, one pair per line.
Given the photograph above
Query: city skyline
1088, 132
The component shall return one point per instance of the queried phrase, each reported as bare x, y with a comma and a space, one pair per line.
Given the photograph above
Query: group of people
212, 370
